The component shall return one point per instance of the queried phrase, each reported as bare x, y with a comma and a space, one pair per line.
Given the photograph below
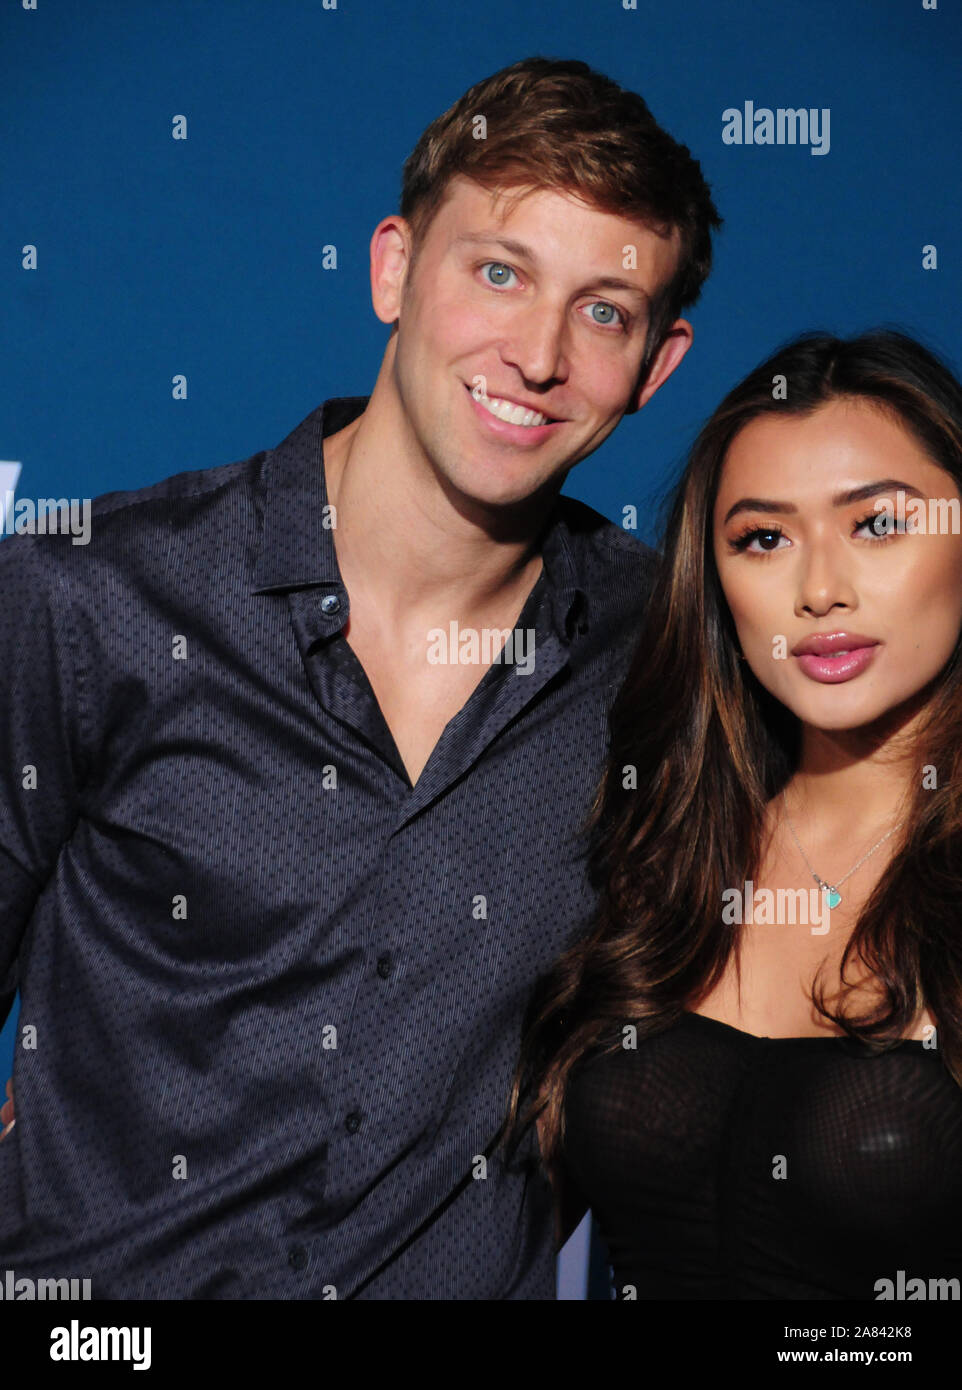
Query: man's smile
501, 404
512, 420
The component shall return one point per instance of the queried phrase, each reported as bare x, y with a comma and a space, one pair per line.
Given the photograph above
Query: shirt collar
296, 547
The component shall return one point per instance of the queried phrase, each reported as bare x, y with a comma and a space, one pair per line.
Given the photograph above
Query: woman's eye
767, 538
881, 524
763, 540
499, 272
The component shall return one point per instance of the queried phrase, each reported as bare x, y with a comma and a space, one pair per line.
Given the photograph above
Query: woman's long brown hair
698, 747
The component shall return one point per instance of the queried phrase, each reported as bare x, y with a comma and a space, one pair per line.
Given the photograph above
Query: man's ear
674, 345
391, 260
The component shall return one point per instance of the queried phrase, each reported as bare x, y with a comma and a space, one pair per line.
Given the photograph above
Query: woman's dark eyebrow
841, 499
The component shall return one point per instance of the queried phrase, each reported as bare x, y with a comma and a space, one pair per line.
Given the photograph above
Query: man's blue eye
497, 273
499, 269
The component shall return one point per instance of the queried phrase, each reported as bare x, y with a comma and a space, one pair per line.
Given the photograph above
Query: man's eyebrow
519, 248
841, 499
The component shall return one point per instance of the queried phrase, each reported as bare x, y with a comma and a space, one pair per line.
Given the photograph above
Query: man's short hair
557, 124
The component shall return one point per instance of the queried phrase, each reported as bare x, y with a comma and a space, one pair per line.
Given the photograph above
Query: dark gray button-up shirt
271, 993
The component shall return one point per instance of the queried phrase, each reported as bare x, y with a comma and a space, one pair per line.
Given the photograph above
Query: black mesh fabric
721, 1165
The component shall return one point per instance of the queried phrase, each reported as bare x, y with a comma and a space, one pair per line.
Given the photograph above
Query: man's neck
404, 544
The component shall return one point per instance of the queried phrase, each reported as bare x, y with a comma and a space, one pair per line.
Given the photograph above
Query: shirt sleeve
40, 747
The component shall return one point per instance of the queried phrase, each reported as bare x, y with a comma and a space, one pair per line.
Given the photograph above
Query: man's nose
536, 343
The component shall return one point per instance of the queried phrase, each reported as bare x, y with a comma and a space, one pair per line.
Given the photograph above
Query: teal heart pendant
833, 896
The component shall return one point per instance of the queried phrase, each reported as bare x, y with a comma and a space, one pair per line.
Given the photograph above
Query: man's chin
505, 494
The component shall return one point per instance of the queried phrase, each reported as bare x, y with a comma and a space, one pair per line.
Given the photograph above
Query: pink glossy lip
513, 434
824, 643
833, 657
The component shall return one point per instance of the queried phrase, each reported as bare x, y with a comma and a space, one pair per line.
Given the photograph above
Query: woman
757, 1088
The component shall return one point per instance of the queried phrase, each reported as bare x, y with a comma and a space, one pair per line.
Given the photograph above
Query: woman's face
801, 554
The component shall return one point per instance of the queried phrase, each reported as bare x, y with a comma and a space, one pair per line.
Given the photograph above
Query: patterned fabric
271, 993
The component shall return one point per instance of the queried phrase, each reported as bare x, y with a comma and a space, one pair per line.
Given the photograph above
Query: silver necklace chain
832, 888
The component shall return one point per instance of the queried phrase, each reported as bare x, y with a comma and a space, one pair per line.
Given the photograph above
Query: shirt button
330, 603
384, 965
297, 1257
352, 1122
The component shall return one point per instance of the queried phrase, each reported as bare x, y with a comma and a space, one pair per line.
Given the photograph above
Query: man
286, 835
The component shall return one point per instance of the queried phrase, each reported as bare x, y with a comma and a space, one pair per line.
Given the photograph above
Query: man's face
516, 309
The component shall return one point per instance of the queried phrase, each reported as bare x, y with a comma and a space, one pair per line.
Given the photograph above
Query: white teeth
507, 411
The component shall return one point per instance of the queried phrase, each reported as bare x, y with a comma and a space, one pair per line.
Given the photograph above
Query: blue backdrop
202, 256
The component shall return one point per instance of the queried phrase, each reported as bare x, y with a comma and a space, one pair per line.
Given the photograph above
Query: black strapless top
723, 1165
